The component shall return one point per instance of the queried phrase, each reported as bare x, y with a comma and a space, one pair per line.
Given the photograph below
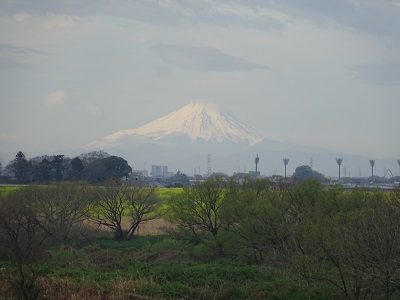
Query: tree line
94, 167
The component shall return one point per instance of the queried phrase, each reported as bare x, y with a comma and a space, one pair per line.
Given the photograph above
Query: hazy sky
321, 73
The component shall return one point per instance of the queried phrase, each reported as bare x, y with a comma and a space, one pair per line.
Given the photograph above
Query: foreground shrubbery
348, 241
228, 240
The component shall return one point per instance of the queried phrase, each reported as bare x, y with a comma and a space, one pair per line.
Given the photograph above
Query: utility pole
285, 162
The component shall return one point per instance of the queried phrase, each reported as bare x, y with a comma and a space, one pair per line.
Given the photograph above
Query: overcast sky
320, 73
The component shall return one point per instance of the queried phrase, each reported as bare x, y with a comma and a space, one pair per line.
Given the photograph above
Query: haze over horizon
323, 74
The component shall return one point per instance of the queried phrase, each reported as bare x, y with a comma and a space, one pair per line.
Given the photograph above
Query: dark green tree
77, 164
75, 171
57, 167
178, 180
21, 168
116, 166
1, 173
305, 172
43, 172
95, 172
92, 156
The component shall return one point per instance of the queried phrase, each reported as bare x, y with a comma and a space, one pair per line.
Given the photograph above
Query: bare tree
108, 208
21, 240
253, 214
115, 203
349, 240
62, 210
198, 210
142, 205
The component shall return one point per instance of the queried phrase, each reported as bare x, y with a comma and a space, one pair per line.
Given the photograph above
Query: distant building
159, 171
139, 174
144, 173
197, 177
254, 173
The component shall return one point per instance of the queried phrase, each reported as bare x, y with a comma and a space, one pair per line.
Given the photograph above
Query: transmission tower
388, 171
398, 161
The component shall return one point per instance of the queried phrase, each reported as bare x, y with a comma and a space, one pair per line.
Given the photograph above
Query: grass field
155, 267
167, 193
4, 189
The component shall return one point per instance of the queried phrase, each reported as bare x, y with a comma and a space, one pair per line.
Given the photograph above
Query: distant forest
94, 167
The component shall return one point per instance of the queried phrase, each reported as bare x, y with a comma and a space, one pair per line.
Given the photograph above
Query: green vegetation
4, 190
94, 167
226, 239
152, 267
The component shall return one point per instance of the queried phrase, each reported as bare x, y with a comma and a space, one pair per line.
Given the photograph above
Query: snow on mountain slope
197, 120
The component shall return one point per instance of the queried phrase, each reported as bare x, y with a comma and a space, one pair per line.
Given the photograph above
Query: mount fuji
184, 140
200, 120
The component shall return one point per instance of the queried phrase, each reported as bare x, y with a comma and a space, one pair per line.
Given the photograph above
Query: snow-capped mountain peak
198, 120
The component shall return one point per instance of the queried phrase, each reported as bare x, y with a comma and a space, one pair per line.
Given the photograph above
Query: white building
159, 171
